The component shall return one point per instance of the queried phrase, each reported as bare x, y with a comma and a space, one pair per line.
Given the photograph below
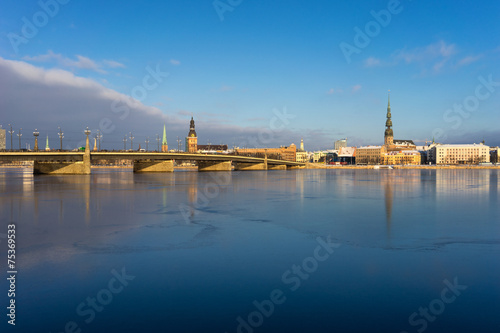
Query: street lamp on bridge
19, 134
61, 136
179, 143
147, 142
36, 134
99, 137
11, 132
87, 145
131, 141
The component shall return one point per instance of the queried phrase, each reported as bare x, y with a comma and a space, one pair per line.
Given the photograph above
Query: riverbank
309, 166
412, 167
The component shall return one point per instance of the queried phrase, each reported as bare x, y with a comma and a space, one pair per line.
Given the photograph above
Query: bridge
79, 162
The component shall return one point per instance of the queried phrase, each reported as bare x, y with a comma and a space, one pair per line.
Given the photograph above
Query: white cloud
372, 62
81, 62
34, 97
433, 58
59, 97
356, 88
469, 60
335, 91
226, 88
175, 62
437, 54
438, 50
113, 64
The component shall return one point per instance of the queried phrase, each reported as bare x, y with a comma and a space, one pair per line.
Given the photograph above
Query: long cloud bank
34, 97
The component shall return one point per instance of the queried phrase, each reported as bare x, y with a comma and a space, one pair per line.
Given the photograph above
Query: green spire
389, 104
164, 141
47, 144
388, 122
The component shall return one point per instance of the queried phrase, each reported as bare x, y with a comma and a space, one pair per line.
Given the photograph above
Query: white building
460, 154
317, 155
301, 155
340, 144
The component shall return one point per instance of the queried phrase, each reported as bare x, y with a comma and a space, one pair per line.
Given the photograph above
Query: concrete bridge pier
153, 166
214, 166
294, 167
276, 167
250, 166
63, 167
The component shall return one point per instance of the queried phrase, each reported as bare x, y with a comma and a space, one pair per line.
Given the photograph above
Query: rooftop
370, 147
462, 145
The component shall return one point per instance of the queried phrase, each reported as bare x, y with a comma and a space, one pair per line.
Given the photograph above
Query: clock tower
192, 139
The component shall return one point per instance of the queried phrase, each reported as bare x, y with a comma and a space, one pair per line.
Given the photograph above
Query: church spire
164, 144
389, 134
164, 141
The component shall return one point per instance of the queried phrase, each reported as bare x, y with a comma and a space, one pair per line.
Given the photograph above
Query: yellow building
369, 154
284, 153
405, 157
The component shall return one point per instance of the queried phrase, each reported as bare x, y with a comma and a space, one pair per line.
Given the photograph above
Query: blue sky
234, 64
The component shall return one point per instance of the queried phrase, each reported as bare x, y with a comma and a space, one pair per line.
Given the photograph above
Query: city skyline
235, 69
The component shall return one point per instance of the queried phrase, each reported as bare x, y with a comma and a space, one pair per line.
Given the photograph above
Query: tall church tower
164, 144
192, 139
389, 134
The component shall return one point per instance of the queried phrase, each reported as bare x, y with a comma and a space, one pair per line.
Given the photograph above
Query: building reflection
392, 186
388, 206
465, 183
188, 211
61, 211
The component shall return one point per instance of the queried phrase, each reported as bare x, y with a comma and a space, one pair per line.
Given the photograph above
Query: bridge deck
78, 156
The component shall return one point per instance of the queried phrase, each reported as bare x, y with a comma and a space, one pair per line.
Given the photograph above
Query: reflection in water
61, 211
86, 196
192, 197
388, 206
465, 182
248, 228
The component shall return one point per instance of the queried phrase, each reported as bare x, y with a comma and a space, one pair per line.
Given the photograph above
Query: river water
278, 251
